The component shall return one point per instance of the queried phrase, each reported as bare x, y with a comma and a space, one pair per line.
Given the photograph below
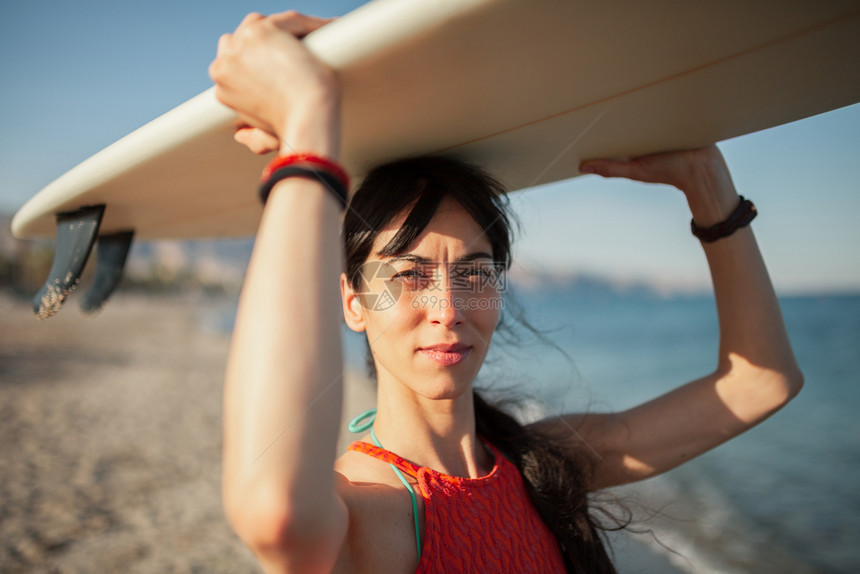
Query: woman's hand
284, 96
701, 174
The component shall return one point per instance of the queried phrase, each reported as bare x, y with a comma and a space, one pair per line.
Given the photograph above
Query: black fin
76, 233
111, 254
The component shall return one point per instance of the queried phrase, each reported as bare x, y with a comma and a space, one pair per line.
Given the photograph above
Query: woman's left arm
756, 372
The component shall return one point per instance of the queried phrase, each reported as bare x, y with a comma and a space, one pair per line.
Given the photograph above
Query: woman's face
430, 312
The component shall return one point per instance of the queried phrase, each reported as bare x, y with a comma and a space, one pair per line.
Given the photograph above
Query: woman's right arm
282, 395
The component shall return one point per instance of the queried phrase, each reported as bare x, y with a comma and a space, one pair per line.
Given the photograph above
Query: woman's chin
444, 387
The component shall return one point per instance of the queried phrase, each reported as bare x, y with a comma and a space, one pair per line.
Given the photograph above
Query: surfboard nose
76, 234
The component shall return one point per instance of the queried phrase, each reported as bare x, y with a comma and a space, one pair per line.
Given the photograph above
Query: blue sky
78, 76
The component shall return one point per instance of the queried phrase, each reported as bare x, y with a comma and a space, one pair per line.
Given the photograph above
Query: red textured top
479, 525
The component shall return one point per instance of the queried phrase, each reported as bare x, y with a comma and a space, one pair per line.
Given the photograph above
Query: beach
111, 441
111, 450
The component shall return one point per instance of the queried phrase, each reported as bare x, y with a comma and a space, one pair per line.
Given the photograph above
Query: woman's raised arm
282, 395
756, 372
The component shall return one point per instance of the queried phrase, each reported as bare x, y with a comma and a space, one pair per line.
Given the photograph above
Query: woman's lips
446, 355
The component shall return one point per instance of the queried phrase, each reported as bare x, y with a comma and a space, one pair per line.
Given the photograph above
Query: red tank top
478, 525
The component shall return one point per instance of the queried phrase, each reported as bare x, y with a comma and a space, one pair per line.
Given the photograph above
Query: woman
440, 230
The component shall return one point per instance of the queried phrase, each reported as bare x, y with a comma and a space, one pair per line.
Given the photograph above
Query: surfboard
525, 88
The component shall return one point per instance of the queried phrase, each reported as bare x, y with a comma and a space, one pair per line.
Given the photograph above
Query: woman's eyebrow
473, 256
411, 257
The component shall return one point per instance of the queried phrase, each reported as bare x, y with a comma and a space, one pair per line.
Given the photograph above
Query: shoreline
112, 450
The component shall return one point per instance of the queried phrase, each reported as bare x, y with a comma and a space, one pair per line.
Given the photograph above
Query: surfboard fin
111, 254
76, 233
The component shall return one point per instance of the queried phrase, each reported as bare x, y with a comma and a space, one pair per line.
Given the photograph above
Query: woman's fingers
250, 18
610, 168
264, 73
299, 25
678, 168
257, 140
650, 169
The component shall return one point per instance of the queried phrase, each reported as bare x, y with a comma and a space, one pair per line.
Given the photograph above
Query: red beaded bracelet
306, 160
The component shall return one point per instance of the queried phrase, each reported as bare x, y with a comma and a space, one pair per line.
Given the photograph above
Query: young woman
468, 489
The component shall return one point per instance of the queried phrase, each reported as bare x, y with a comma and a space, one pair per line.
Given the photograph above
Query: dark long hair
557, 479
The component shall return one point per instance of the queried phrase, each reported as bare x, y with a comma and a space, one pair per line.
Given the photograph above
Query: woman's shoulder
369, 487
360, 470
378, 540
362, 481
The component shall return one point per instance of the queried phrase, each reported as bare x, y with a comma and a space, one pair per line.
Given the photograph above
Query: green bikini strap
365, 421
411, 493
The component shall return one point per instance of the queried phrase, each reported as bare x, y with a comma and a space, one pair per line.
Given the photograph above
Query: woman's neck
439, 434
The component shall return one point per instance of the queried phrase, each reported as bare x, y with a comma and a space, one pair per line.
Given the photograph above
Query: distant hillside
219, 266
214, 264
157, 266
582, 285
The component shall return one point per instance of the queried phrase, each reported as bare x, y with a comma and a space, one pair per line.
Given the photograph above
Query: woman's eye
413, 278
408, 274
474, 271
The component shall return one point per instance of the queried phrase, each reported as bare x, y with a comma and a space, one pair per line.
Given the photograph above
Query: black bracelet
328, 179
743, 214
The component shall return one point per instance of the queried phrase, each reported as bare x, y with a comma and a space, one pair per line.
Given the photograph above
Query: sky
75, 77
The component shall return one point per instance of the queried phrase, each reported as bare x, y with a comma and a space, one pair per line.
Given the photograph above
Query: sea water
783, 497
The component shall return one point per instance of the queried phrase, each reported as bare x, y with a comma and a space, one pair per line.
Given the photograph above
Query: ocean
783, 497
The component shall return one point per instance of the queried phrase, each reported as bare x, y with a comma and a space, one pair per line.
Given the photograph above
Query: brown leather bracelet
743, 214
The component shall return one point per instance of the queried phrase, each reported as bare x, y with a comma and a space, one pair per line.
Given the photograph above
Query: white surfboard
525, 88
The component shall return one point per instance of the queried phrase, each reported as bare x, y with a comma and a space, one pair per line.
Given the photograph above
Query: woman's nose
446, 303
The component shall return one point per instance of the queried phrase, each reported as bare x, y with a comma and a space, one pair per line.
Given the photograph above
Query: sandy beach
111, 436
